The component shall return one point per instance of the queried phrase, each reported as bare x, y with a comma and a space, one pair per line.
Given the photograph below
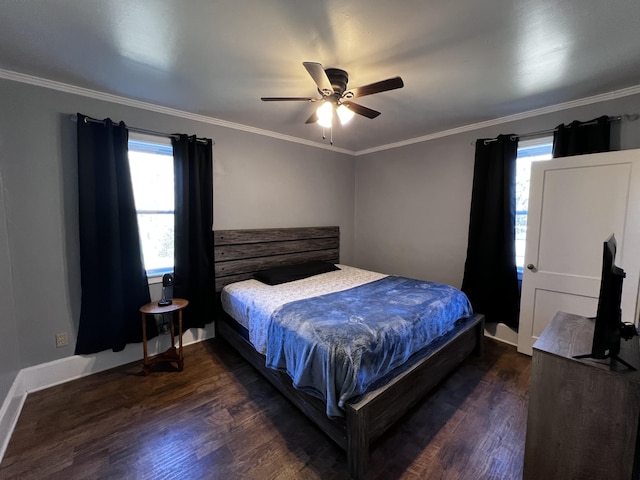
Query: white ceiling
462, 61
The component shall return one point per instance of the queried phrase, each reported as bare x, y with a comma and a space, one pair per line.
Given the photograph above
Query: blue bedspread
335, 346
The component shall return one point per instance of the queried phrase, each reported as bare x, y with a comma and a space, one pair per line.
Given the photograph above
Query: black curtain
579, 138
113, 278
194, 274
490, 276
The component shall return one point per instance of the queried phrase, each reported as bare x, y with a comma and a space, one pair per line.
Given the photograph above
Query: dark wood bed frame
240, 253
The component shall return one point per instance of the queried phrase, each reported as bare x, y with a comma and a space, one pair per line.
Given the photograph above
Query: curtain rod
626, 116
74, 118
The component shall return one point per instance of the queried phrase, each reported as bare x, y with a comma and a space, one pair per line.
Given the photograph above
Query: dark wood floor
220, 419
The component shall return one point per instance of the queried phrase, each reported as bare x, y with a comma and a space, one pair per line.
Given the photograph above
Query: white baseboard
53, 373
10, 411
501, 332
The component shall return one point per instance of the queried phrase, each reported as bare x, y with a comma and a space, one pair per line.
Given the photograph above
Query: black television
609, 328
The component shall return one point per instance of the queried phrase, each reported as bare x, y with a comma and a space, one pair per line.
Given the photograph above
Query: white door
575, 203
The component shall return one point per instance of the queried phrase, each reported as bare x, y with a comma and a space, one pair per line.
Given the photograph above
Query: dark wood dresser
583, 414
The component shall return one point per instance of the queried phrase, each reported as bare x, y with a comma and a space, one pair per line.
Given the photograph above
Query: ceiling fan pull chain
331, 135
323, 134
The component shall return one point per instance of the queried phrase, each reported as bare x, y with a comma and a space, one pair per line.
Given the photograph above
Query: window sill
156, 278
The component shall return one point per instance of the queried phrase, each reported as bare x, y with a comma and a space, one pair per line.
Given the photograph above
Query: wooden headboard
239, 254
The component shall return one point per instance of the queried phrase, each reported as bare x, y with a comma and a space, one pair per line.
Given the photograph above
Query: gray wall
9, 353
412, 203
259, 181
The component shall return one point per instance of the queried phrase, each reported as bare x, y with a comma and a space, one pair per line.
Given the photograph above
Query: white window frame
526, 144
154, 277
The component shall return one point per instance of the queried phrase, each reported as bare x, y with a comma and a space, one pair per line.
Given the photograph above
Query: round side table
172, 354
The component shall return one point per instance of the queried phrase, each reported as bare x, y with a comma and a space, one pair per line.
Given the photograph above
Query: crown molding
625, 92
107, 97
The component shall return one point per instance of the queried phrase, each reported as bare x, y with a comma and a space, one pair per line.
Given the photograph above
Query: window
528, 151
151, 164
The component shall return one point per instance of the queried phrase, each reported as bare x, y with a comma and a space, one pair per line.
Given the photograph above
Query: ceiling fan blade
319, 76
313, 118
360, 110
382, 86
289, 99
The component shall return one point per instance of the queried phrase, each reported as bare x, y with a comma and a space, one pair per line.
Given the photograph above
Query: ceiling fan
335, 98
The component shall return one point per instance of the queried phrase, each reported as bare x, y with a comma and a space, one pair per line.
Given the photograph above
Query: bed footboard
370, 415
373, 413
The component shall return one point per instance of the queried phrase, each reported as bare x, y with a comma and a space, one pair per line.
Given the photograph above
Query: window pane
151, 165
526, 155
156, 237
152, 177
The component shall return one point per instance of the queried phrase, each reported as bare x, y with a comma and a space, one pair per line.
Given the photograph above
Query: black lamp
167, 290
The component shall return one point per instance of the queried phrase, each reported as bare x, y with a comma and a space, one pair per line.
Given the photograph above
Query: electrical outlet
62, 340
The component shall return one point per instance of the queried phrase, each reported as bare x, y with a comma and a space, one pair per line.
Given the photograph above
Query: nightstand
172, 354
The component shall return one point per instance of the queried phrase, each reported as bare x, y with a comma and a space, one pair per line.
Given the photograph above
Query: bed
240, 254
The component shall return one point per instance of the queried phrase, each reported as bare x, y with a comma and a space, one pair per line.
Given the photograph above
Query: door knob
531, 266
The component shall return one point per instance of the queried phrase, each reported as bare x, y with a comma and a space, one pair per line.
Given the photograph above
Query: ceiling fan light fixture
325, 114
344, 114
334, 95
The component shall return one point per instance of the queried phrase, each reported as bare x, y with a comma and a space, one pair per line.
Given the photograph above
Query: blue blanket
337, 345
